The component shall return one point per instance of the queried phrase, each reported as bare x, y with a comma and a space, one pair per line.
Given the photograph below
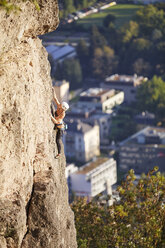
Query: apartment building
81, 141
60, 53
102, 99
143, 150
93, 178
126, 83
62, 90
90, 115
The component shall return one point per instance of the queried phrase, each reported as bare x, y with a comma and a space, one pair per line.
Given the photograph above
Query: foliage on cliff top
8, 6
136, 220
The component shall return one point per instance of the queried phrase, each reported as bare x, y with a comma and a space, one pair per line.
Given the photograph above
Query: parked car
70, 18
93, 9
80, 14
74, 14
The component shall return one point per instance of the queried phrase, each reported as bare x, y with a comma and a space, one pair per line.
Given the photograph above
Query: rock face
34, 209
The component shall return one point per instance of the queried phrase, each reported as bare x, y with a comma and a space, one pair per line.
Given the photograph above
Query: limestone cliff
34, 209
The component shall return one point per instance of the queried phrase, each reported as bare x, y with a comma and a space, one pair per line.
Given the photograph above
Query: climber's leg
58, 141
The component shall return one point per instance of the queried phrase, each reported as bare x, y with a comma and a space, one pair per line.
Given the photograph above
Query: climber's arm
53, 120
55, 98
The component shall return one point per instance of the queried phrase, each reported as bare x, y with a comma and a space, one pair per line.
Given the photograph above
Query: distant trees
97, 40
123, 124
102, 57
68, 6
150, 18
108, 19
151, 97
83, 56
69, 70
136, 220
143, 40
104, 62
137, 47
142, 67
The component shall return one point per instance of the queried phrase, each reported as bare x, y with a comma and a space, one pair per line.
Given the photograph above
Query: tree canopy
136, 220
69, 70
151, 96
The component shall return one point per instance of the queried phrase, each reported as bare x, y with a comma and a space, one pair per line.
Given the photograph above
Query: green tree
69, 70
130, 31
68, 7
142, 67
150, 96
83, 55
82, 50
108, 19
97, 40
135, 221
150, 18
104, 62
140, 39
123, 124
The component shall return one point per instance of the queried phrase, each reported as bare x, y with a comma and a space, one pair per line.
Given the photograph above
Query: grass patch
123, 13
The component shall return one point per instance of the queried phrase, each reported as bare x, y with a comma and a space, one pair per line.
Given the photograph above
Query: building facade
81, 141
143, 151
94, 178
127, 84
102, 99
90, 115
62, 90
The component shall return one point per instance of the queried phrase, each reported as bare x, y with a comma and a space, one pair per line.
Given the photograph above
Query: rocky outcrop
34, 209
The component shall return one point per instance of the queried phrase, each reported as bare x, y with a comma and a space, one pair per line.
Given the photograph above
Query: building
62, 90
125, 83
81, 141
148, 1
94, 178
143, 150
70, 169
91, 116
145, 119
60, 53
102, 99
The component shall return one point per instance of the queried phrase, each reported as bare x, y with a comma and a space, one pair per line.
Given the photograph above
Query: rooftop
59, 83
85, 112
81, 109
52, 48
146, 132
145, 115
91, 166
126, 78
78, 126
93, 92
58, 52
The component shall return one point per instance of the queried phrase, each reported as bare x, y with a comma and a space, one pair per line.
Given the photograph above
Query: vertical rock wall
34, 210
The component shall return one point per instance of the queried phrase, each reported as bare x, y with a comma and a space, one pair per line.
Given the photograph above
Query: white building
90, 115
81, 141
128, 84
143, 150
62, 90
102, 99
70, 169
94, 178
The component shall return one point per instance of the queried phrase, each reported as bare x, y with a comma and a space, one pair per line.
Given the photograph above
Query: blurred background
108, 62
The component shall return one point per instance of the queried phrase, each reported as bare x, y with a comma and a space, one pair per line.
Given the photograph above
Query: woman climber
57, 119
